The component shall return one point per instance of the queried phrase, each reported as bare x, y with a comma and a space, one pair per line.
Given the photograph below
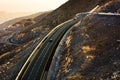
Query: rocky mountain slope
61, 14
22, 43
14, 55
92, 48
13, 21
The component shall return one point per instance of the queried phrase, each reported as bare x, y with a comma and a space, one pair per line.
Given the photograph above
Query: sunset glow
29, 5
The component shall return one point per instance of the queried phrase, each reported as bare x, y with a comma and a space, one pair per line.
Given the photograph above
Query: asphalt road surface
38, 63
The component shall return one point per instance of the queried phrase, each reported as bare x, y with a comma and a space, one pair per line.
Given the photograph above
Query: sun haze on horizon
29, 5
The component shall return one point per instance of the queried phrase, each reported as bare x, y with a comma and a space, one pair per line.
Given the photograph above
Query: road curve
38, 63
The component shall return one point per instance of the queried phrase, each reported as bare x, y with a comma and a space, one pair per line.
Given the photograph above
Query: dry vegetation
52, 19
92, 52
92, 49
28, 30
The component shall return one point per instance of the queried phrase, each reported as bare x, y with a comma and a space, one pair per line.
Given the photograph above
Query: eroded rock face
92, 50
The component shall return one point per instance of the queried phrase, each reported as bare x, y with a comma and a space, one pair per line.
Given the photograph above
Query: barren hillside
21, 44
61, 14
92, 49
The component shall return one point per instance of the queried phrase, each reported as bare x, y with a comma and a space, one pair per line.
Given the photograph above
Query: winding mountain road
39, 61
37, 65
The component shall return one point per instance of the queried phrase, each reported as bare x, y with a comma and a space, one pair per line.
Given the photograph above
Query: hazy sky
29, 5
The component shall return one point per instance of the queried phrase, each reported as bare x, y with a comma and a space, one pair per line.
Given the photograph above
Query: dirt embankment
92, 50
